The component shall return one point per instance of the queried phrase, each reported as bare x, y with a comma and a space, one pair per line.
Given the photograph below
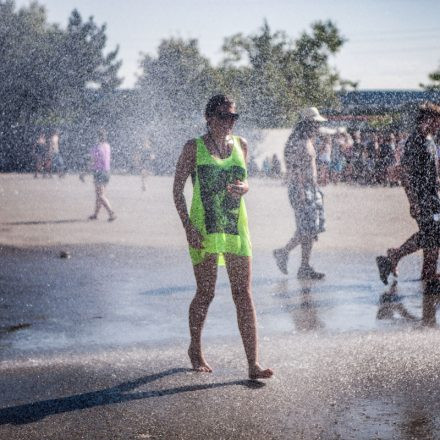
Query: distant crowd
46, 154
366, 158
357, 157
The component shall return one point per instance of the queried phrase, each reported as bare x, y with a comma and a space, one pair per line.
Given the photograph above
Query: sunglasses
225, 116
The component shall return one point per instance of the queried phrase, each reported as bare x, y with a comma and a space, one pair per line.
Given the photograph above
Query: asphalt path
94, 345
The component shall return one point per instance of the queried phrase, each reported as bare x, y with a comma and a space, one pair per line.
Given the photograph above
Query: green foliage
47, 74
269, 76
172, 93
179, 77
434, 77
382, 122
64, 77
283, 74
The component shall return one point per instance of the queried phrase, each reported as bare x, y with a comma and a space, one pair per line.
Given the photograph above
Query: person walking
304, 194
419, 177
146, 159
57, 159
38, 152
216, 228
100, 156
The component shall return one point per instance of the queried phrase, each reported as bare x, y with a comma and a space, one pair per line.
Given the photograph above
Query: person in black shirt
419, 176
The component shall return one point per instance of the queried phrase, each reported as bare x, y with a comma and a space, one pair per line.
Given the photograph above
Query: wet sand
94, 346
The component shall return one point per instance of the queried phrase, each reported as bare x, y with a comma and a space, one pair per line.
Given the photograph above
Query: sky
392, 44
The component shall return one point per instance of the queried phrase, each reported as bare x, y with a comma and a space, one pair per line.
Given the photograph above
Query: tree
47, 77
172, 92
81, 62
283, 75
23, 83
87, 81
434, 77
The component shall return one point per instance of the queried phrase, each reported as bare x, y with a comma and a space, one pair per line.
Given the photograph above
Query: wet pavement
93, 346
112, 296
101, 353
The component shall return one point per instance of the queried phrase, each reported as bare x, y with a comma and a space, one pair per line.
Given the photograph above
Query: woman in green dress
216, 227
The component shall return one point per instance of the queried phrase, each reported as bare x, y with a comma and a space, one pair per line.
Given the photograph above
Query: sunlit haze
392, 44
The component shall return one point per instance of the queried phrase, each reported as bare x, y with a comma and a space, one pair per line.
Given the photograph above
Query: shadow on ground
32, 412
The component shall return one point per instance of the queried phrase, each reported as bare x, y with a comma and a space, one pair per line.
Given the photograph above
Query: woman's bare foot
198, 362
392, 257
256, 372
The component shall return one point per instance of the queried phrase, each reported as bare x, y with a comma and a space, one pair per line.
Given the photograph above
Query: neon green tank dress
217, 215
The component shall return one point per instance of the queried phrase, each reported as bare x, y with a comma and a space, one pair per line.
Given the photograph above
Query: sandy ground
46, 212
94, 346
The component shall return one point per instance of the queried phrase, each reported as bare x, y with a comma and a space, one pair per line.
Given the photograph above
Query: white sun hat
311, 114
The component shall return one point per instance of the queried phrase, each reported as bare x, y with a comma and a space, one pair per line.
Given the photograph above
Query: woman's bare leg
98, 192
101, 200
38, 167
143, 179
239, 271
105, 202
206, 277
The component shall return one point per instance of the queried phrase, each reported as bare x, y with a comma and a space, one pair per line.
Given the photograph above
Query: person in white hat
311, 114
304, 194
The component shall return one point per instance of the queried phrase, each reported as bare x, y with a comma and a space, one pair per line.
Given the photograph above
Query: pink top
100, 154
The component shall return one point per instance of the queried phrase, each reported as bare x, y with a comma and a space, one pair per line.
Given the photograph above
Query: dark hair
302, 129
215, 102
428, 110
102, 135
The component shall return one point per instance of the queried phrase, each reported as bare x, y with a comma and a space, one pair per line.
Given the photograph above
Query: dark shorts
101, 177
323, 162
429, 232
40, 152
58, 162
309, 213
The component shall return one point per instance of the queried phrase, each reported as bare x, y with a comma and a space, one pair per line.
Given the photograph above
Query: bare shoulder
189, 148
188, 153
243, 144
187, 159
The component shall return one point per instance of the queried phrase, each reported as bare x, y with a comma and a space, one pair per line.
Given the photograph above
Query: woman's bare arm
185, 166
244, 148
240, 188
